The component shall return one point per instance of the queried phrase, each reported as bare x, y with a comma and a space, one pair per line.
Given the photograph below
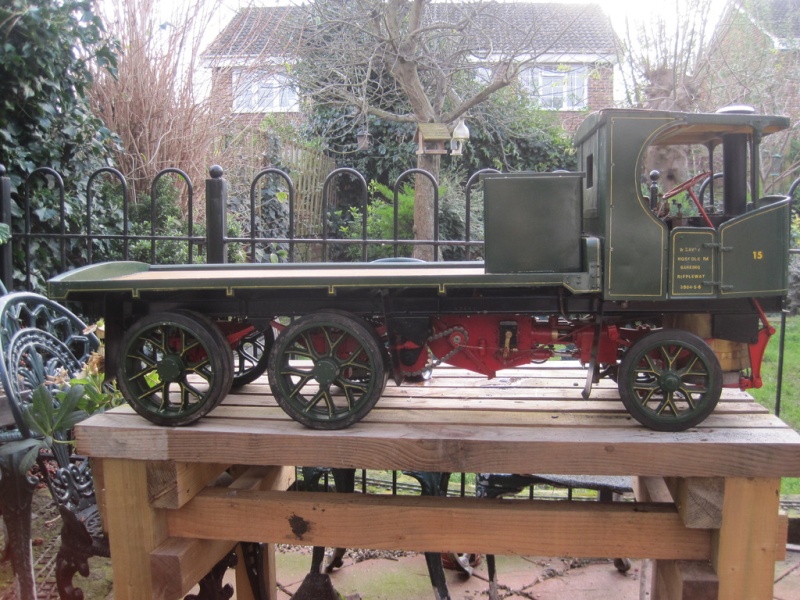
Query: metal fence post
6, 266
216, 215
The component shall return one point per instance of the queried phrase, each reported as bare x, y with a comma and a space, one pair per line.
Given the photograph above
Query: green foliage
391, 152
507, 133
273, 222
47, 420
453, 215
271, 218
510, 133
45, 218
53, 411
97, 395
796, 230
380, 222
160, 214
48, 51
793, 297
790, 390
171, 225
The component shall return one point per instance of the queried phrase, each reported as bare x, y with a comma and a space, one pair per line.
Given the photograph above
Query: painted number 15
758, 255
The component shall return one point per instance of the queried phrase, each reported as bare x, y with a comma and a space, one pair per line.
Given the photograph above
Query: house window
558, 87
260, 91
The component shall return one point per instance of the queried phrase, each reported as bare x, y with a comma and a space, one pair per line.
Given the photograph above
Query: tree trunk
423, 206
664, 92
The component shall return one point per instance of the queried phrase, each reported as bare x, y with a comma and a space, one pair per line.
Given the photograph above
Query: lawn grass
790, 390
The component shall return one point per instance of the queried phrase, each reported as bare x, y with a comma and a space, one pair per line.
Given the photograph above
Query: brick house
574, 75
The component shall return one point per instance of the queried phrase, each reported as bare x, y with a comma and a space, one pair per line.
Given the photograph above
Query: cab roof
690, 128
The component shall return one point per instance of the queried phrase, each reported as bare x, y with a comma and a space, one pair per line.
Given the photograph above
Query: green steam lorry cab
594, 265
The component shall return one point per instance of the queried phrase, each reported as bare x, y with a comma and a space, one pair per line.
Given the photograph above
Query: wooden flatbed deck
166, 525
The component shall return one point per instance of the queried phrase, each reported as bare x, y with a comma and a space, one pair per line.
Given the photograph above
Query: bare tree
755, 61
152, 104
417, 61
663, 57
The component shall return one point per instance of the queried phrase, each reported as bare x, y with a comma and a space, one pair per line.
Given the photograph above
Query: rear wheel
327, 370
251, 356
670, 380
175, 367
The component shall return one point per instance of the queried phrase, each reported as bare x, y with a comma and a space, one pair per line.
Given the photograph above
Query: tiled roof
560, 28
259, 31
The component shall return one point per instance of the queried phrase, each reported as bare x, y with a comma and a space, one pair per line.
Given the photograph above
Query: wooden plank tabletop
530, 419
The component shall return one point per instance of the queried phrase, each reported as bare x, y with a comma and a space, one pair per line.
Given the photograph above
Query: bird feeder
460, 137
432, 138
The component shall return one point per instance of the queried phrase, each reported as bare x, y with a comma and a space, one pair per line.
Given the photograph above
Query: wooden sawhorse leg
744, 549
135, 528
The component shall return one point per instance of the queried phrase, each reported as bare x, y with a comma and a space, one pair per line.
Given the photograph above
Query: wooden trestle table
707, 499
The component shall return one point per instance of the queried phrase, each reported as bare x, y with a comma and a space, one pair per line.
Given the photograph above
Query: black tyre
670, 380
251, 356
327, 370
175, 367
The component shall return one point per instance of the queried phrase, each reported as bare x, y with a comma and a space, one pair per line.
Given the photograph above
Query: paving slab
384, 576
403, 576
787, 577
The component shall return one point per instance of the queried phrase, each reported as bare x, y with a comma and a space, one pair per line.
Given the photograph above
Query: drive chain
438, 361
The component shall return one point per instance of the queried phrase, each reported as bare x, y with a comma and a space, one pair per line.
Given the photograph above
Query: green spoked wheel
251, 356
327, 370
670, 380
175, 367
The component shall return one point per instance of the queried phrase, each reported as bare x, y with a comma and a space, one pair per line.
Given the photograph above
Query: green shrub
381, 220
49, 53
380, 223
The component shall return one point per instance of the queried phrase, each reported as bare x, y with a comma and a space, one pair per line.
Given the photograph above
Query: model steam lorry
589, 265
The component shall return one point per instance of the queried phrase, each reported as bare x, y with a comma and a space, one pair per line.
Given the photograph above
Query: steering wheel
686, 185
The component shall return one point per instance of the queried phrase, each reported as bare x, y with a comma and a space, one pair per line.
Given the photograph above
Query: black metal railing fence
80, 240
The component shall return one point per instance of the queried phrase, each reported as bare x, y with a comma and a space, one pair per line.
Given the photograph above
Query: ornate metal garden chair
43, 343
496, 485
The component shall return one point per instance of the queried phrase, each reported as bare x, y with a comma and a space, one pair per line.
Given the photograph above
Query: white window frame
262, 91
558, 87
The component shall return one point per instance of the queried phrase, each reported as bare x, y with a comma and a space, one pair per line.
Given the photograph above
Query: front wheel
327, 370
175, 367
670, 380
